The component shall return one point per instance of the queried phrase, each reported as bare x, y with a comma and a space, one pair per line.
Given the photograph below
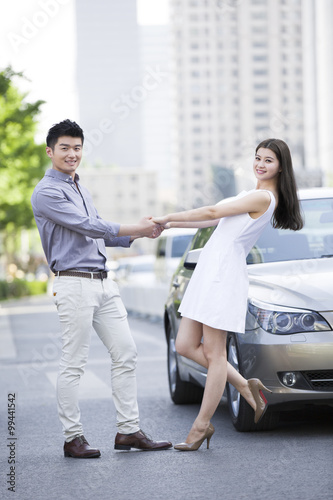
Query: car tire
242, 415
181, 392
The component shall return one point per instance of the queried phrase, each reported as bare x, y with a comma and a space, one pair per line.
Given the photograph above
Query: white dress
217, 292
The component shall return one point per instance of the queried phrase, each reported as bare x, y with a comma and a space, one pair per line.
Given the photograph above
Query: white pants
84, 304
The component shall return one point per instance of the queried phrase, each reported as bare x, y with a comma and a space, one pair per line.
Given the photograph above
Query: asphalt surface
293, 462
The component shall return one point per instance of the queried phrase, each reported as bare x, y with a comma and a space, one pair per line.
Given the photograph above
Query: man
74, 238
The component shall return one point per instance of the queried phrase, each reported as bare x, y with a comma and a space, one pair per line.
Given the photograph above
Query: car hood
307, 284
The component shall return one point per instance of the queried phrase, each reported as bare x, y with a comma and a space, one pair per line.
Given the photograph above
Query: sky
37, 37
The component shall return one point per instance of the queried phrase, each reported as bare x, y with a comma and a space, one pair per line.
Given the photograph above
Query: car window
179, 244
202, 236
315, 240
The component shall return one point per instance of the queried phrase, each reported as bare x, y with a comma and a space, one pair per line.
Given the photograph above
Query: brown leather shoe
140, 441
79, 448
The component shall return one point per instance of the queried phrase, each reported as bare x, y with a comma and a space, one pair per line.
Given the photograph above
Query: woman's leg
240, 383
188, 341
214, 348
188, 344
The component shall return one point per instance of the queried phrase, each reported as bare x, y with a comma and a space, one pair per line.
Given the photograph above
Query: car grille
320, 380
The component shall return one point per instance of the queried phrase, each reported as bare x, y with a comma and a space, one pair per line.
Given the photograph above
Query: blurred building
156, 116
109, 81
123, 80
322, 16
124, 195
243, 71
191, 101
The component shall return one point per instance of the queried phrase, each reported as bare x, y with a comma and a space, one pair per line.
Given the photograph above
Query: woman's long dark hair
287, 214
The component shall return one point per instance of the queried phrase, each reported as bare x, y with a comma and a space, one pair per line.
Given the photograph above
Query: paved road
293, 462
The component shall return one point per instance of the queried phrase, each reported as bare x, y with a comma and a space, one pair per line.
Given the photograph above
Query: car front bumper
305, 359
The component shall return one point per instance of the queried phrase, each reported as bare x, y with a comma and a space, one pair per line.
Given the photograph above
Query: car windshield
179, 244
314, 241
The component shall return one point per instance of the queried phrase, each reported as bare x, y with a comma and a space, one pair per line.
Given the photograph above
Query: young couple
74, 238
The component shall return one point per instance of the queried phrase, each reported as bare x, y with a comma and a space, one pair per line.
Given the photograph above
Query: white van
171, 246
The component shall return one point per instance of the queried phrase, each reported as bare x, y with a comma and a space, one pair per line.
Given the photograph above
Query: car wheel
241, 413
181, 392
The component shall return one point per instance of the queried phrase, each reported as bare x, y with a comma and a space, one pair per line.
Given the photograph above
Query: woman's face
266, 166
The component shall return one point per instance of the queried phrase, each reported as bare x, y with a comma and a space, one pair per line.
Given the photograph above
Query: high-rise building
323, 18
156, 126
123, 79
239, 70
109, 81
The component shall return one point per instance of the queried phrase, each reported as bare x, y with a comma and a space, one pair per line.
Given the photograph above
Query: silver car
288, 342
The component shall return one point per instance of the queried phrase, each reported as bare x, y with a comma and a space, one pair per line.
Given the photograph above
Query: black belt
99, 275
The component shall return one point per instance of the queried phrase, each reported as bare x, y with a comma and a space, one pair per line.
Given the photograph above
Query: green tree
22, 161
22, 165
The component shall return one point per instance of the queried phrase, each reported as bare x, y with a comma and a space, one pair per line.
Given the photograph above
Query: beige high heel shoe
196, 444
256, 387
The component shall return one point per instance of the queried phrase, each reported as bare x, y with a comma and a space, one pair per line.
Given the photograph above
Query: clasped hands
153, 226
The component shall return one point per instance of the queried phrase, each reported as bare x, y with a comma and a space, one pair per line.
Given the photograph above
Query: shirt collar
51, 172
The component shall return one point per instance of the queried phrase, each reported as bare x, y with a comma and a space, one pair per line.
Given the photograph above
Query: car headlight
284, 320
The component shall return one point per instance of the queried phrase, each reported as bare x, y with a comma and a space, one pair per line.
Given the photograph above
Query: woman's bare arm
255, 203
196, 224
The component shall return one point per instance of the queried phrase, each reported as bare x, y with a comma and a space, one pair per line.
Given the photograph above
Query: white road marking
30, 309
7, 345
147, 337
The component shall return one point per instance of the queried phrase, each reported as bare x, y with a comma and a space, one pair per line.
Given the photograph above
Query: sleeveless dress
217, 292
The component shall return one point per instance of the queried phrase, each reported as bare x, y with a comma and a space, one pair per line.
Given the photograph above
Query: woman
215, 301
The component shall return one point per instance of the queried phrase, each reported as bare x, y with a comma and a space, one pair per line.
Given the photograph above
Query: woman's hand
162, 221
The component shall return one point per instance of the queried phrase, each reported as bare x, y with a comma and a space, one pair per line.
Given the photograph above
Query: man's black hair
66, 127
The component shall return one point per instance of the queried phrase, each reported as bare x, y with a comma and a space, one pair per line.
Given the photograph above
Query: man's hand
149, 228
158, 231
145, 228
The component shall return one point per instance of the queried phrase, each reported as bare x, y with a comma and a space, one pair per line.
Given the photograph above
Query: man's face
66, 154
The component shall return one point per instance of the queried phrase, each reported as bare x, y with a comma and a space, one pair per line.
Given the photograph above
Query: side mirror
191, 259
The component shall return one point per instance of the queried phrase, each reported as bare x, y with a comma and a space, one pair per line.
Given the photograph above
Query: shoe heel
262, 387
122, 447
263, 397
67, 454
208, 441
257, 388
